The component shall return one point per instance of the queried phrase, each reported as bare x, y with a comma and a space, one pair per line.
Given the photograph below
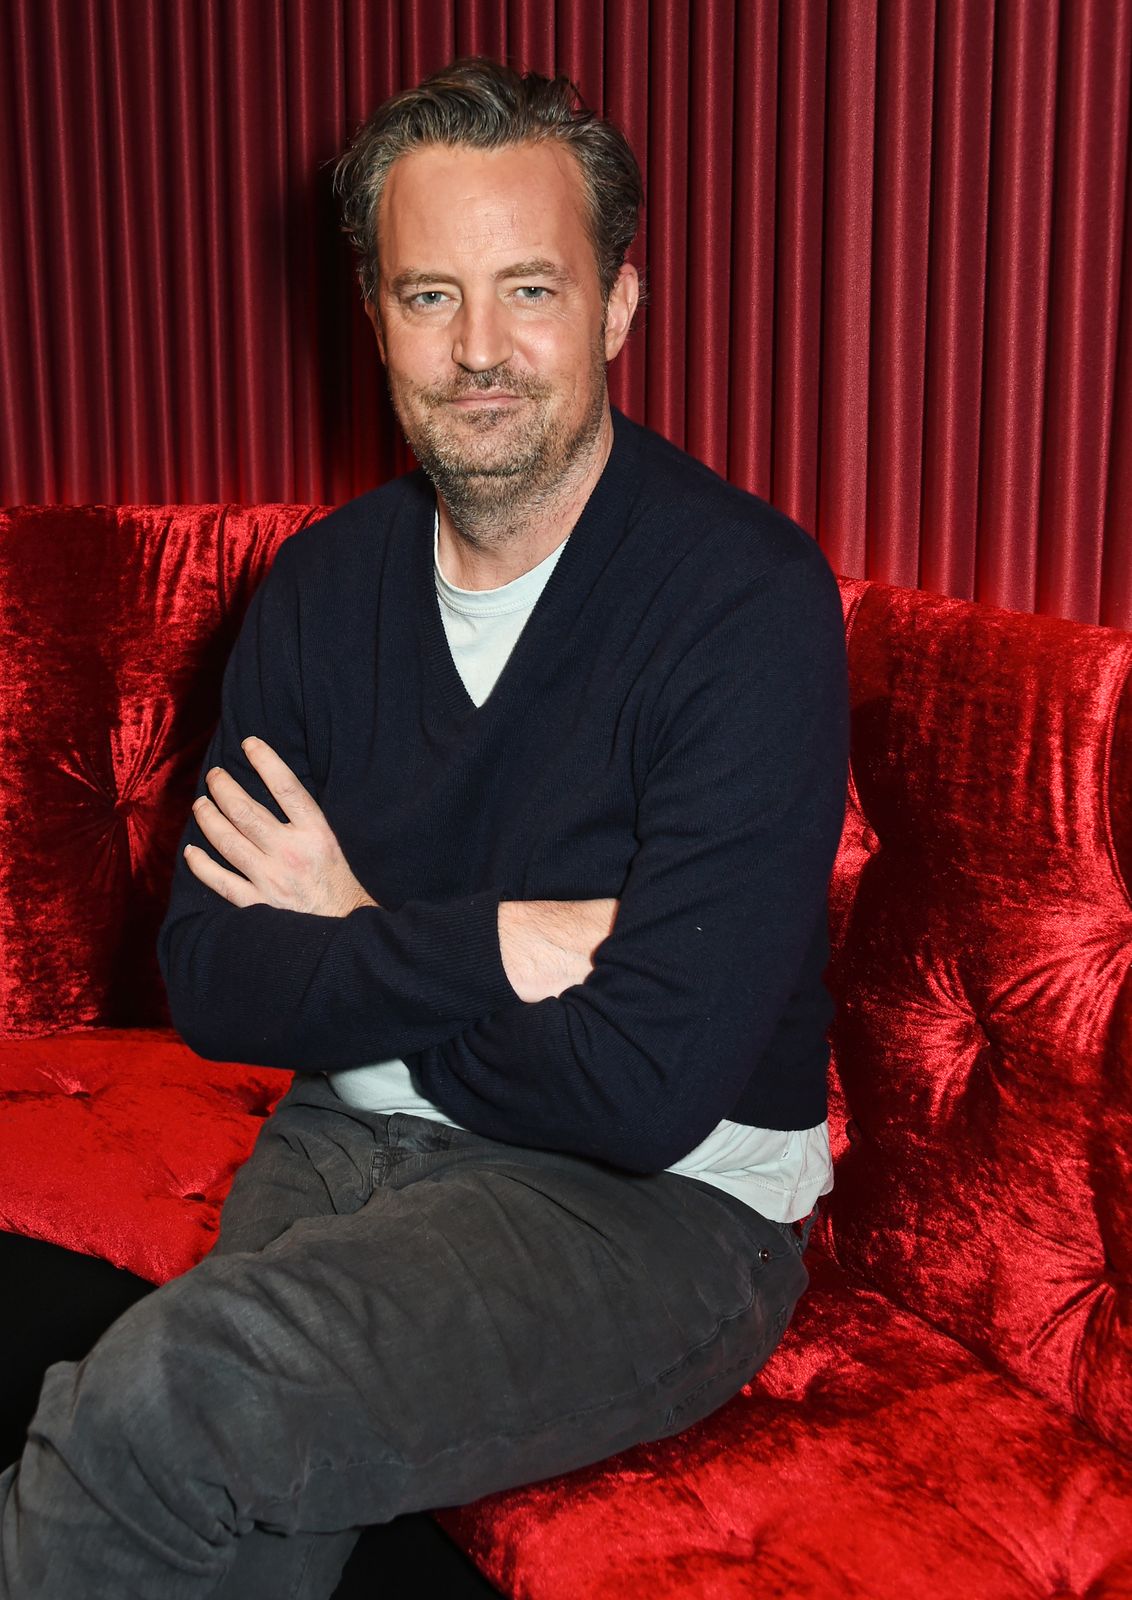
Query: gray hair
484, 104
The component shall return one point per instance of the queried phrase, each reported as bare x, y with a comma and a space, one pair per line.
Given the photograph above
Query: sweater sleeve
287, 988
738, 825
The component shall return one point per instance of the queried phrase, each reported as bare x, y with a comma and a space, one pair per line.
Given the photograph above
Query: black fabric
57, 1303
411, 1558
671, 729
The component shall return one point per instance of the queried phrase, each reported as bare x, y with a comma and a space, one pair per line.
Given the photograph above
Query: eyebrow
537, 267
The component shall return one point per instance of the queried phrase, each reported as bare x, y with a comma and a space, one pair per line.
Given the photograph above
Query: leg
301, 1166
309, 1160
489, 1317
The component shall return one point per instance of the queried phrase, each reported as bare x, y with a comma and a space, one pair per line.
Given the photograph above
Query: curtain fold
887, 249
962, 100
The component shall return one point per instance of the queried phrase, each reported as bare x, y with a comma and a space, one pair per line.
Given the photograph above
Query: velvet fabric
117, 622
950, 1411
121, 1143
983, 939
888, 246
873, 1458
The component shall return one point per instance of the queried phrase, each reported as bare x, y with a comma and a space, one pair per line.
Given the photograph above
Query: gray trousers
398, 1315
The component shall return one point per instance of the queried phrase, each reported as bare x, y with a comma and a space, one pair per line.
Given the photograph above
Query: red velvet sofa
950, 1412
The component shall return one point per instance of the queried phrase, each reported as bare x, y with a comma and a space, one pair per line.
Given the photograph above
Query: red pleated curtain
887, 247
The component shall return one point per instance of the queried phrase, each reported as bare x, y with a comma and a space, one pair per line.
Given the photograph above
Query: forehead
450, 205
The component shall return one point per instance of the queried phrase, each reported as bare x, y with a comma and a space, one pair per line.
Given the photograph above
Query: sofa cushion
872, 1455
122, 1143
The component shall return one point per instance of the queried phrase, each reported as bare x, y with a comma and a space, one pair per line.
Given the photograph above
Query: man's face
490, 318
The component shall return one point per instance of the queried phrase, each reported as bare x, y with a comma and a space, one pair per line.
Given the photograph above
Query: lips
484, 399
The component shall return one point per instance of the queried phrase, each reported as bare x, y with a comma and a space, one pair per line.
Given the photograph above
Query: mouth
476, 402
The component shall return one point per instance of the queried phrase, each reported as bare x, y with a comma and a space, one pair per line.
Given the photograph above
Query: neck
485, 550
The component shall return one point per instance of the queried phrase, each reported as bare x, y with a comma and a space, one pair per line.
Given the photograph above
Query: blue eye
428, 297
533, 289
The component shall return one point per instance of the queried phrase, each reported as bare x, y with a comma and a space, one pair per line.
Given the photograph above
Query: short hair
483, 104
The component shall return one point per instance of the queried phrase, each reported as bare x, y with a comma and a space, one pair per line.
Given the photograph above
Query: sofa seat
856, 1462
122, 1143
873, 1455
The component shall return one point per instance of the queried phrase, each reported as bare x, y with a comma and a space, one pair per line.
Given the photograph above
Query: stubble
517, 462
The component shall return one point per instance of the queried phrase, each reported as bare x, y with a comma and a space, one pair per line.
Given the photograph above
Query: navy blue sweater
671, 729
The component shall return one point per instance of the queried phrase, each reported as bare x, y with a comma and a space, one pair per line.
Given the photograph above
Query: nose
481, 336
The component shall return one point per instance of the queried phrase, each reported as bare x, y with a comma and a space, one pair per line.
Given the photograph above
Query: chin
484, 448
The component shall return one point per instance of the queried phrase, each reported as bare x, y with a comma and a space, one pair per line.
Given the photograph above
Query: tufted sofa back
982, 930
115, 624
981, 1106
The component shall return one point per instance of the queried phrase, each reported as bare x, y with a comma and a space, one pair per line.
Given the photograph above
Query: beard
498, 461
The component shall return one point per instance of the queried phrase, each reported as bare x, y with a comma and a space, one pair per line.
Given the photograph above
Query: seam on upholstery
1125, 686
853, 796
221, 586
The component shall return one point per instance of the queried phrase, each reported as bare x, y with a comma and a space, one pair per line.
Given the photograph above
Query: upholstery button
870, 839
764, 1255
852, 1132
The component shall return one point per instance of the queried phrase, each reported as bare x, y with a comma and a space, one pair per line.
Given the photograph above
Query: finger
297, 803
252, 819
236, 890
232, 844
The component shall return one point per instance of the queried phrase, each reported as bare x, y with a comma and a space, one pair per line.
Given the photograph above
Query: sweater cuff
456, 943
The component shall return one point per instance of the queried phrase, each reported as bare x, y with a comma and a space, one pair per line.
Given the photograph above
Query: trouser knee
166, 1408
240, 1385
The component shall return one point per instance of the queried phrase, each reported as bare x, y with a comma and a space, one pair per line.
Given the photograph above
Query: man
514, 843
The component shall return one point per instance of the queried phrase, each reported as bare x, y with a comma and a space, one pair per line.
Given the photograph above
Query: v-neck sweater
779, 1174
671, 729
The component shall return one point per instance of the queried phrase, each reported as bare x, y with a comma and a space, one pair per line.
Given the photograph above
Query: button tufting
870, 839
852, 1132
764, 1255
194, 1195
980, 1025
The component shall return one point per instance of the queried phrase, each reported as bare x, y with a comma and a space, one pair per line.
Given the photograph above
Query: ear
621, 305
375, 323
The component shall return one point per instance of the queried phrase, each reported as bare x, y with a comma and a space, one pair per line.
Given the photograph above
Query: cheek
417, 349
554, 351
413, 366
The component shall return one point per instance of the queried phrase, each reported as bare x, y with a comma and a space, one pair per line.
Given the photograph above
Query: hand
548, 945
296, 865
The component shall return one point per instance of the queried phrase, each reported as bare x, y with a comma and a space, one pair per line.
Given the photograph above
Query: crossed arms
298, 865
